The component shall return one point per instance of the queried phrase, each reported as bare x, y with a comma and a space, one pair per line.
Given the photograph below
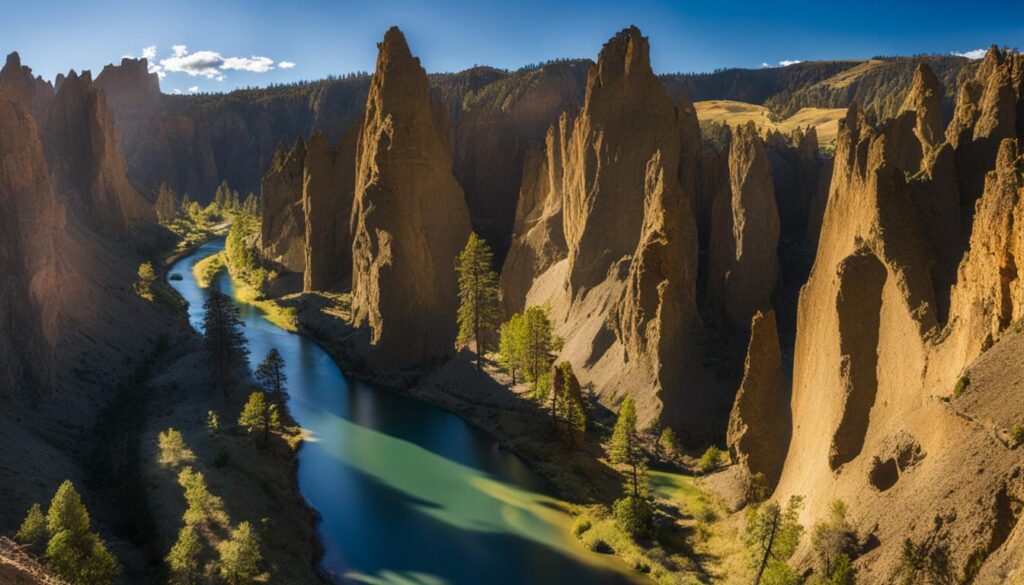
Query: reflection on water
409, 493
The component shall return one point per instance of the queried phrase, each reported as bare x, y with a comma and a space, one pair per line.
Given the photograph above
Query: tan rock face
32, 93
744, 267
538, 239
129, 86
760, 425
796, 168
31, 220
327, 194
626, 118
283, 223
925, 100
409, 218
86, 162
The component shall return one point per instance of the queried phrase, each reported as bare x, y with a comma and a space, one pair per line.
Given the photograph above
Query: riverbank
691, 545
256, 485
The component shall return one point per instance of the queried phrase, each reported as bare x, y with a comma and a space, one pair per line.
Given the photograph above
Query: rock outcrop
744, 262
31, 220
130, 87
409, 219
328, 188
86, 163
32, 93
538, 239
797, 170
283, 223
760, 425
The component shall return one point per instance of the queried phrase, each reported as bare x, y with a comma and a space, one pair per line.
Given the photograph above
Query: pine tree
33, 529
183, 559
567, 402
73, 552
271, 376
625, 448
240, 556
512, 345
251, 206
201, 503
166, 204
539, 343
225, 341
260, 413
668, 442
144, 285
478, 295
773, 535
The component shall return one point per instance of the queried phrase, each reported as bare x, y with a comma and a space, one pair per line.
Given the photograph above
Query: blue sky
220, 42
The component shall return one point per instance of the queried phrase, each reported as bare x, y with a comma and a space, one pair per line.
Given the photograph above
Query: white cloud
764, 64
149, 52
973, 55
286, 64
220, 78
193, 89
788, 62
200, 63
176, 91
254, 64
179, 50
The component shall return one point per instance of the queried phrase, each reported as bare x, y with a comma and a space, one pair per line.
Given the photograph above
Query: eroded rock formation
86, 163
759, 425
409, 219
283, 223
327, 193
32, 93
744, 263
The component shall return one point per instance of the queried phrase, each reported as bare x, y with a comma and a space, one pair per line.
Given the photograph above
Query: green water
408, 493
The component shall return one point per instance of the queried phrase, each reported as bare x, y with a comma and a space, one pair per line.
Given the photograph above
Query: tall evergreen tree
626, 449
225, 341
539, 344
272, 377
773, 535
478, 295
73, 552
240, 556
512, 345
567, 402
166, 204
260, 413
183, 559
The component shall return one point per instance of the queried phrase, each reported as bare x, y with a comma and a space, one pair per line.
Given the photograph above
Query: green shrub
961, 386
633, 515
711, 459
580, 526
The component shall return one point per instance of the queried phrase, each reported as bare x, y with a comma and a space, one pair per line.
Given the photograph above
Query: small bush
173, 450
580, 526
711, 459
961, 386
633, 515
1018, 435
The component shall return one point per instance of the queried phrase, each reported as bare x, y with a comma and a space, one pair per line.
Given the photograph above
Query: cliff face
744, 267
31, 221
327, 193
86, 163
283, 223
409, 219
32, 93
759, 425
493, 132
130, 87
887, 326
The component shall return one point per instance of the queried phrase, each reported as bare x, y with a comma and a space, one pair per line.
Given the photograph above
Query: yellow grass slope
825, 121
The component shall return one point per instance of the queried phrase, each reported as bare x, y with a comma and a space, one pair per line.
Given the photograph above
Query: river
409, 493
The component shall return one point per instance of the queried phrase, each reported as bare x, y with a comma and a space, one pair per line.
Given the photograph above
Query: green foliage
711, 459
213, 421
633, 515
478, 295
567, 407
241, 258
73, 552
225, 342
33, 528
834, 541
668, 442
183, 559
271, 376
961, 386
1018, 435
173, 450
756, 487
527, 343
625, 449
260, 413
202, 505
772, 536
166, 205
144, 285
240, 556
581, 525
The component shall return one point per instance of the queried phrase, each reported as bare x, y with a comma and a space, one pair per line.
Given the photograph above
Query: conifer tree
772, 536
144, 285
225, 341
73, 552
260, 413
539, 343
478, 295
625, 448
183, 559
166, 204
272, 377
33, 529
240, 556
512, 345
